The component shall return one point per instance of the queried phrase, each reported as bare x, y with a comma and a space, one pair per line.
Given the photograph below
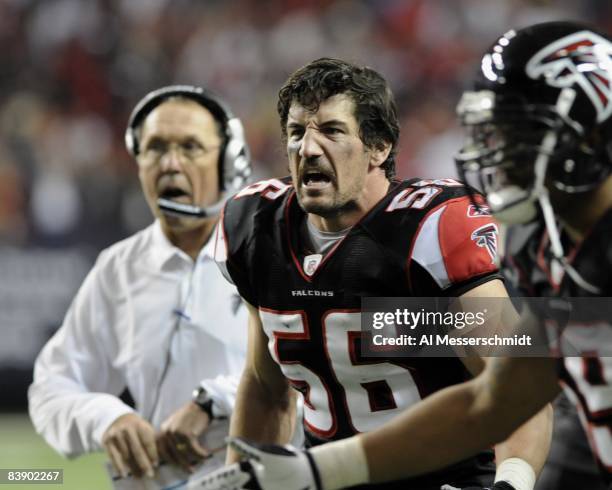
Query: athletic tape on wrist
517, 472
341, 464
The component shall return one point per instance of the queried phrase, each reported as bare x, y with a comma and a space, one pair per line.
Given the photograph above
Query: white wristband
341, 464
517, 472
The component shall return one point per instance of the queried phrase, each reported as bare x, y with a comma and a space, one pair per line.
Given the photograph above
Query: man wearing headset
154, 315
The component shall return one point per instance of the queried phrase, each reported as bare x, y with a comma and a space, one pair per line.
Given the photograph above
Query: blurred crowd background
71, 71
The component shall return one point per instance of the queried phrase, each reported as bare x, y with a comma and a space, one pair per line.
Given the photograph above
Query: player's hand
267, 467
177, 441
500, 485
130, 445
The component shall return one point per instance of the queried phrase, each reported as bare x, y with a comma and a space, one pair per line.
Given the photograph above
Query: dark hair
375, 109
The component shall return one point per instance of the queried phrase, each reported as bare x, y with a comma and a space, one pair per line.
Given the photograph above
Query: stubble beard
339, 204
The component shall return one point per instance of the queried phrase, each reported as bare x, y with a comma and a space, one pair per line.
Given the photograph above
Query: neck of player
581, 212
190, 239
375, 188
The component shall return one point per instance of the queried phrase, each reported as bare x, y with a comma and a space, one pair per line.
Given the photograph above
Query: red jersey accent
466, 256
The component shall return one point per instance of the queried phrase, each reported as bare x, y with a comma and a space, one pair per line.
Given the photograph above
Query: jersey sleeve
220, 251
238, 229
231, 249
454, 250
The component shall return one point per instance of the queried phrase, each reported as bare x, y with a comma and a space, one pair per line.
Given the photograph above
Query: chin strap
557, 248
564, 104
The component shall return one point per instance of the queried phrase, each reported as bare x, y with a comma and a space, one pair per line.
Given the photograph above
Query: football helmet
539, 116
234, 157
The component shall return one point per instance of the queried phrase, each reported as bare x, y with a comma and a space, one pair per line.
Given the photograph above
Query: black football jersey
424, 238
586, 379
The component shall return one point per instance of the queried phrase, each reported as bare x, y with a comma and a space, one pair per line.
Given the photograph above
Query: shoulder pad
243, 215
252, 202
423, 194
456, 242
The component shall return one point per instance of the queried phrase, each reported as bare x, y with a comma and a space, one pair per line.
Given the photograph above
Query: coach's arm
72, 399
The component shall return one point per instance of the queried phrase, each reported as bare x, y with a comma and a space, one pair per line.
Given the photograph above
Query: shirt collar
163, 251
208, 250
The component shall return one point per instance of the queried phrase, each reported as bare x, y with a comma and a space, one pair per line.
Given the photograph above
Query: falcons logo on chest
582, 59
486, 237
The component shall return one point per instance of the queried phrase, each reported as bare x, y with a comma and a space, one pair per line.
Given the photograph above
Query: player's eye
296, 133
331, 130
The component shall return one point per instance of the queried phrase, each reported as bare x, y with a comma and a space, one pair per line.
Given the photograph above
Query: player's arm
519, 458
467, 244
446, 427
265, 403
461, 420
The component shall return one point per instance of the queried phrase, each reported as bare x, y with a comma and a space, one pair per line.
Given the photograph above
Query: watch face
200, 395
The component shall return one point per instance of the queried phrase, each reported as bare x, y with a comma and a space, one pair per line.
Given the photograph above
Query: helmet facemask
513, 149
513, 152
540, 122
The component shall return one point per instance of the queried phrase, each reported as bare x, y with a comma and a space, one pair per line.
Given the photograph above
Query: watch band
203, 400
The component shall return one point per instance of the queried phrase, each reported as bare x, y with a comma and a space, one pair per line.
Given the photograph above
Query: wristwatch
203, 400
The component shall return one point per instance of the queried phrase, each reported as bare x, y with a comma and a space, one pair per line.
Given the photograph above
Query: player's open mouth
175, 194
316, 180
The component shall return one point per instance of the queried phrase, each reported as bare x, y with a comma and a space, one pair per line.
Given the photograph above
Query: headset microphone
188, 210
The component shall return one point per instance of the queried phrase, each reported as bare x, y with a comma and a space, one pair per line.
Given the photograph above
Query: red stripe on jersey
468, 242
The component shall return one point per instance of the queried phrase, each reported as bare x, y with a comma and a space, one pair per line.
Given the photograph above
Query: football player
526, 266
540, 132
534, 271
304, 251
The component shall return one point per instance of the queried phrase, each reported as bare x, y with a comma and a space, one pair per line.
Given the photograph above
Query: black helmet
540, 114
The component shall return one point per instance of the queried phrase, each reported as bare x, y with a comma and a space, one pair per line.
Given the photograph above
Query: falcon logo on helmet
486, 237
582, 58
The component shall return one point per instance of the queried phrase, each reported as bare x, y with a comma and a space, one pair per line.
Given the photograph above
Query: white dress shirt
147, 318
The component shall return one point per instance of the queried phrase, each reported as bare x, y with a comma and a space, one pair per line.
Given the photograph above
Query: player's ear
379, 154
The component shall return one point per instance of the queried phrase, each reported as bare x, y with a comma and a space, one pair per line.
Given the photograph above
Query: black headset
234, 156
